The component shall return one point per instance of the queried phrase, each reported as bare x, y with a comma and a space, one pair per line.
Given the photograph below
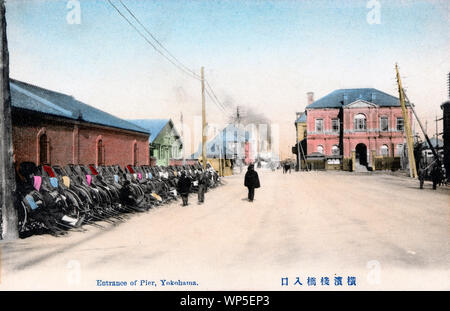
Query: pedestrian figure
444, 175
441, 175
421, 174
251, 182
184, 187
203, 182
435, 175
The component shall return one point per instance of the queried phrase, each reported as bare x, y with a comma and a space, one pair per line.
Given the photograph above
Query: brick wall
373, 138
74, 142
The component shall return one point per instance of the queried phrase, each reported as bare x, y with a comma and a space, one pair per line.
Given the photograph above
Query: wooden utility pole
7, 173
182, 137
407, 127
299, 160
435, 153
437, 135
203, 120
236, 135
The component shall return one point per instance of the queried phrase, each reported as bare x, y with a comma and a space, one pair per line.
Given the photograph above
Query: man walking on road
421, 174
251, 182
435, 175
184, 187
202, 186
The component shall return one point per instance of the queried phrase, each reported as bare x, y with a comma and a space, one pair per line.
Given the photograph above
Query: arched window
43, 149
100, 152
320, 149
384, 150
335, 150
359, 122
135, 153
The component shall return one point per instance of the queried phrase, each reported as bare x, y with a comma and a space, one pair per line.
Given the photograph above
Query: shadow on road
38, 259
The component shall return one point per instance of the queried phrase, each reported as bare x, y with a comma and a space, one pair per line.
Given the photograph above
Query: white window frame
335, 150
384, 148
334, 120
360, 122
399, 146
320, 147
316, 123
402, 123
387, 124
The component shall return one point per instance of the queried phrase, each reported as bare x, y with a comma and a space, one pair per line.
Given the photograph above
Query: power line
214, 94
159, 43
172, 59
218, 102
149, 42
215, 102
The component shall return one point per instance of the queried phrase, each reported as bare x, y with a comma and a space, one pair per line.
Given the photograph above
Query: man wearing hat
251, 182
184, 187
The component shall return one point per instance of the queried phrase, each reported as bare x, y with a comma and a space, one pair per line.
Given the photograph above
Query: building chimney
310, 96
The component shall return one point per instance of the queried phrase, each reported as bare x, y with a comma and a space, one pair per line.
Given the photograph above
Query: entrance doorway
361, 154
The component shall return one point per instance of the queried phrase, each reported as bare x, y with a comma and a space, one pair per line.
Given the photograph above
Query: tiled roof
348, 96
34, 98
154, 126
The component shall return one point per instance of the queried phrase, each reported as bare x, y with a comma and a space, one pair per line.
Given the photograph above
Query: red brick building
365, 121
50, 127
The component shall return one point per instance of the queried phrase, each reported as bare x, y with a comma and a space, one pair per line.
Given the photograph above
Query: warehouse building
55, 128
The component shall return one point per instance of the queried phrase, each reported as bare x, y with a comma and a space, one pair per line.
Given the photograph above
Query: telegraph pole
299, 160
435, 153
236, 135
437, 135
182, 136
407, 127
7, 173
203, 120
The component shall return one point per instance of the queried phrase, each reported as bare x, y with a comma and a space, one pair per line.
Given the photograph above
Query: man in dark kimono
202, 186
435, 175
184, 187
251, 182
421, 175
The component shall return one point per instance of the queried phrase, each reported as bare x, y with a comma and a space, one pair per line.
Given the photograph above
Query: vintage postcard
225, 145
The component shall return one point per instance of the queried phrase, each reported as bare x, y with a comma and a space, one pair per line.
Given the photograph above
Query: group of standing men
185, 185
437, 174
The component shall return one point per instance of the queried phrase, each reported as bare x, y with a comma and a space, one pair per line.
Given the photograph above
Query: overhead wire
159, 43
151, 43
171, 58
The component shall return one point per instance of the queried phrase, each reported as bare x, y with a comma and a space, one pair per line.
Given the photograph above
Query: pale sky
263, 54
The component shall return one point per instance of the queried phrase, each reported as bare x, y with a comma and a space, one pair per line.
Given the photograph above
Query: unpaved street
381, 229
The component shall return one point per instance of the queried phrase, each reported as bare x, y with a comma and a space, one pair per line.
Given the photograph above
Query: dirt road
378, 230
